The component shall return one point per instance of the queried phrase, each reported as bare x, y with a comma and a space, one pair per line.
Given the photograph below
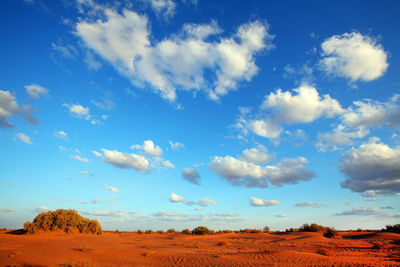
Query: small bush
139, 232
223, 243
160, 232
393, 228
201, 230
186, 231
380, 244
171, 231
68, 221
149, 232
311, 228
330, 232
266, 229
326, 252
360, 230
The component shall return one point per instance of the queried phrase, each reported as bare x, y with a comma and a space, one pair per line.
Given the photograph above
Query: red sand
131, 249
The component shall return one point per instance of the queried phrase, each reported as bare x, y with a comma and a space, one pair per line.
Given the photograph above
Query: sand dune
244, 249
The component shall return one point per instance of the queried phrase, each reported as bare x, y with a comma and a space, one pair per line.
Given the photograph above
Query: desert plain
177, 249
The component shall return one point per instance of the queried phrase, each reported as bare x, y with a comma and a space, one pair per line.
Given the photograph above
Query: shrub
393, 228
149, 232
201, 230
139, 232
171, 231
330, 232
65, 220
160, 232
266, 229
186, 231
311, 228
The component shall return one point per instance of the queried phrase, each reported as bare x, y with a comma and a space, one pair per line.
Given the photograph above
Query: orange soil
131, 249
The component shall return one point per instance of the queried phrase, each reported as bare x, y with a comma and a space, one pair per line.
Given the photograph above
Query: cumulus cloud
61, 134
124, 160
257, 155
244, 173
79, 158
8, 108
354, 56
165, 8
86, 173
78, 111
42, 209
303, 105
35, 91
149, 148
258, 202
202, 202
26, 113
191, 175
23, 138
372, 166
178, 62
306, 105
357, 120
176, 145
111, 188
308, 204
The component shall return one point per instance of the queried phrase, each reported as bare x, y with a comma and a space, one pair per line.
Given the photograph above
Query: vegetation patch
68, 221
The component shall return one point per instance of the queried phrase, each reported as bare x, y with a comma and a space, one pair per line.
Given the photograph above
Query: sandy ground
131, 249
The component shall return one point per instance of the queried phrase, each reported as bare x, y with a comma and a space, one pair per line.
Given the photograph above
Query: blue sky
171, 114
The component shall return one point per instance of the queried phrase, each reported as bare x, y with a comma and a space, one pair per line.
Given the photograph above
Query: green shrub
201, 230
66, 220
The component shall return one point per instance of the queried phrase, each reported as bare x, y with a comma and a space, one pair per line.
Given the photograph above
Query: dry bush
380, 244
393, 228
266, 229
186, 231
330, 232
202, 230
171, 231
149, 232
139, 232
160, 232
68, 221
223, 243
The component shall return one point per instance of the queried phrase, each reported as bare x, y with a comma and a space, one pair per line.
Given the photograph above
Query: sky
158, 114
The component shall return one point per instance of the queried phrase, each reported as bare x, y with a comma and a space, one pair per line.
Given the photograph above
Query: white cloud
35, 91
243, 173
111, 188
149, 148
42, 209
369, 113
78, 111
369, 193
339, 137
191, 175
308, 204
86, 173
303, 107
92, 62
61, 134
360, 212
372, 166
124, 160
79, 158
6, 210
107, 104
280, 215
176, 145
257, 155
26, 111
180, 61
167, 164
202, 202
104, 213
166, 8
257, 202
8, 108
354, 56
24, 138
357, 119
